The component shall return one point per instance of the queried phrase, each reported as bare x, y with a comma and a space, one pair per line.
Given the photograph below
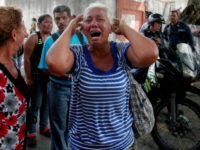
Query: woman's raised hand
118, 26
76, 23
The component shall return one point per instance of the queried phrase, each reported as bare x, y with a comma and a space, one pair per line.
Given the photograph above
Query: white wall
35, 8
164, 6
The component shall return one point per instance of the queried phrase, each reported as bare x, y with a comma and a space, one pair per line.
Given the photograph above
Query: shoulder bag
140, 104
141, 108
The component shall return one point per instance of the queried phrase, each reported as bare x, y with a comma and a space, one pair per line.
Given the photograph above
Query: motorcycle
177, 116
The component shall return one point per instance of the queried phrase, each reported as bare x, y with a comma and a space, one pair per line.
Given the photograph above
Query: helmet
156, 18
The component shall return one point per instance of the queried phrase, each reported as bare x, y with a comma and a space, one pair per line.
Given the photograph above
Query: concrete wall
34, 8
164, 6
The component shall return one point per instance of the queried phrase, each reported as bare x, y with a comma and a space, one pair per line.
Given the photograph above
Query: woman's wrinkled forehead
94, 11
97, 12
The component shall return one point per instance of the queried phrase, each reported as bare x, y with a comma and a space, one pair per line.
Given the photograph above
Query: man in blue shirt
59, 88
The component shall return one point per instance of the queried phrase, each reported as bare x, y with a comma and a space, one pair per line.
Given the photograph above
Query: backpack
79, 35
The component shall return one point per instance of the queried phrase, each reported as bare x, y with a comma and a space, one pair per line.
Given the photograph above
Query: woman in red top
13, 90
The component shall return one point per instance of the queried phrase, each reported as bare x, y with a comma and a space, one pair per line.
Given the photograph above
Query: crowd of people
75, 78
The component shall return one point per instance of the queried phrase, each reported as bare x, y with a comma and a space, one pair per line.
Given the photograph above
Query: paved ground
43, 143
144, 143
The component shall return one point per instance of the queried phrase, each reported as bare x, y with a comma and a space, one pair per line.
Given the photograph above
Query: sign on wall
129, 19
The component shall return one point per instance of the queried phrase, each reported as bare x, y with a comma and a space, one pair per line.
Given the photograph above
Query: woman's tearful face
96, 26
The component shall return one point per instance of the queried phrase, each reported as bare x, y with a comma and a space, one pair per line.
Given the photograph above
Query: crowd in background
53, 61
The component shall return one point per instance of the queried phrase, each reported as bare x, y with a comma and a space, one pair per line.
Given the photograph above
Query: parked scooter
177, 116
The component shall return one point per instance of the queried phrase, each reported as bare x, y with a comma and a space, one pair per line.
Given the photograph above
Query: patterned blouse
13, 105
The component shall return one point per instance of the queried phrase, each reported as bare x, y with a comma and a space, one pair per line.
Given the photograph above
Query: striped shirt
99, 116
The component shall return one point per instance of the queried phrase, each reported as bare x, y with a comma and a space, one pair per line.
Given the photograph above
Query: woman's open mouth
95, 34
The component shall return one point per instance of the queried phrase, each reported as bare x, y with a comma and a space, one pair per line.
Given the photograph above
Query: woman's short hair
98, 5
11, 18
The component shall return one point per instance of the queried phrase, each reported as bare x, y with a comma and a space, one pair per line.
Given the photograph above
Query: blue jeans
38, 103
59, 97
